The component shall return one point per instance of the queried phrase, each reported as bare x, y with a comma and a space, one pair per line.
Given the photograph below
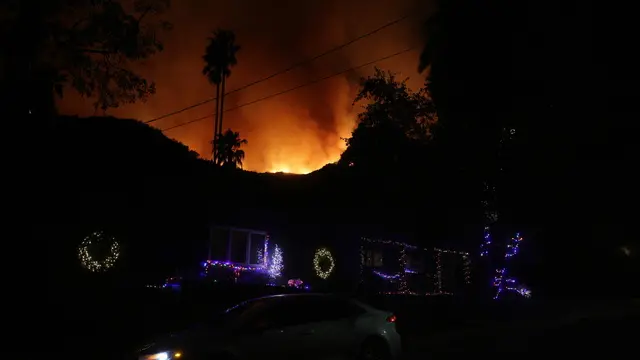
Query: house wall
394, 267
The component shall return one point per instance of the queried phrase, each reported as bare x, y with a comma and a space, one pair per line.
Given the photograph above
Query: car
291, 326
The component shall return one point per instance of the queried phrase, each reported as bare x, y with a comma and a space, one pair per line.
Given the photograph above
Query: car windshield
241, 314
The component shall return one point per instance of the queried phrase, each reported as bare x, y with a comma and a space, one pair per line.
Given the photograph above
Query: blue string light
500, 281
484, 247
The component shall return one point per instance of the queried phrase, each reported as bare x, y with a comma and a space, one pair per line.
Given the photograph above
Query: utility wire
294, 88
294, 66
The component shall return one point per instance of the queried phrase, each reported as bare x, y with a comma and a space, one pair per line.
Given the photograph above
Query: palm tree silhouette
219, 57
229, 154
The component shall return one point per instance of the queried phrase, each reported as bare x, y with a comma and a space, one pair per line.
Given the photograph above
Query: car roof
280, 296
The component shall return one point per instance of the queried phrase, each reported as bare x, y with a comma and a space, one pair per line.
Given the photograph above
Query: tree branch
94, 51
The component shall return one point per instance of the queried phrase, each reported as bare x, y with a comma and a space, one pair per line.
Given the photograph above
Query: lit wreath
321, 254
98, 265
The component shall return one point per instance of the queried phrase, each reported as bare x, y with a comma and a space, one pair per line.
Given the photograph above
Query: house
393, 267
238, 255
325, 259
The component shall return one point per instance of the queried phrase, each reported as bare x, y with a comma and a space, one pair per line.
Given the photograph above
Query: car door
328, 328
270, 332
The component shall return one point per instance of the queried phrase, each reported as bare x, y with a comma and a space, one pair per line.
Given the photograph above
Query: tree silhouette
87, 45
219, 57
229, 154
394, 123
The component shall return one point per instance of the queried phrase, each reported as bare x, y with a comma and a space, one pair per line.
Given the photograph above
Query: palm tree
219, 57
229, 154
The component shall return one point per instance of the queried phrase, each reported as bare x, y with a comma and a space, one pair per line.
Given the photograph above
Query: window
257, 249
373, 258
219, 244
239, 246
243, 315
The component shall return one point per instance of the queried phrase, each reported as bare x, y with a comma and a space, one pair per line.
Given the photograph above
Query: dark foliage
393, 128
229, 154
85, 45
545, 69
219, 58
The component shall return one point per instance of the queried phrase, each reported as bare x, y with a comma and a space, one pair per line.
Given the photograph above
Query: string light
228, 265
497, 282
500, 281
401, 276
411, 247
402, 287
512, 247
387, 276
484, 247
414, 293
260, 256
265, 253
323, 254
466, 268
276, 265
362, 260
438, 283
92, 264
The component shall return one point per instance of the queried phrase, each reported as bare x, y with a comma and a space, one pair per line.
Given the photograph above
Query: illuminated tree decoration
276, 265
323, 254
95, 265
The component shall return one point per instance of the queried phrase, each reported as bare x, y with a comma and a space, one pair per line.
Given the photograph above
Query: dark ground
107, 324
603, 328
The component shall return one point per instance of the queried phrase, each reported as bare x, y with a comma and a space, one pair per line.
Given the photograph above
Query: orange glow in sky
299, 131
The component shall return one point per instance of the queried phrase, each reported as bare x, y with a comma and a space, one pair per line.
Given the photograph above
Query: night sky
296, 132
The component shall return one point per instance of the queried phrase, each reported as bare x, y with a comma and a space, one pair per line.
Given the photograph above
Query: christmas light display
387, 276
415, 293
484, 247
401, 277
393, 276
323, 254
438, 255
512, 247
402, 285
172, 283
276, 264
92, 264
228, 265
389, 242
260, 257
362, 261
295, 283
265, 253
522, 290
411, 247
466, 268
500, 281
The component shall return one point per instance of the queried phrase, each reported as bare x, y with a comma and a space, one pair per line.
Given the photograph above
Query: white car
300, 326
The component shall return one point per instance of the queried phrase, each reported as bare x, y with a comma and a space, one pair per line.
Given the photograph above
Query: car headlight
165, 355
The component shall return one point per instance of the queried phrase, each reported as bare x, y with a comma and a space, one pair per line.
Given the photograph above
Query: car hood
196, 338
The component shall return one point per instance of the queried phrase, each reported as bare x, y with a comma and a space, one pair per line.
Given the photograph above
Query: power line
294, 88
293, 66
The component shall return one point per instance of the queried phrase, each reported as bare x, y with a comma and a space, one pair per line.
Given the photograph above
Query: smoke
298, 131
